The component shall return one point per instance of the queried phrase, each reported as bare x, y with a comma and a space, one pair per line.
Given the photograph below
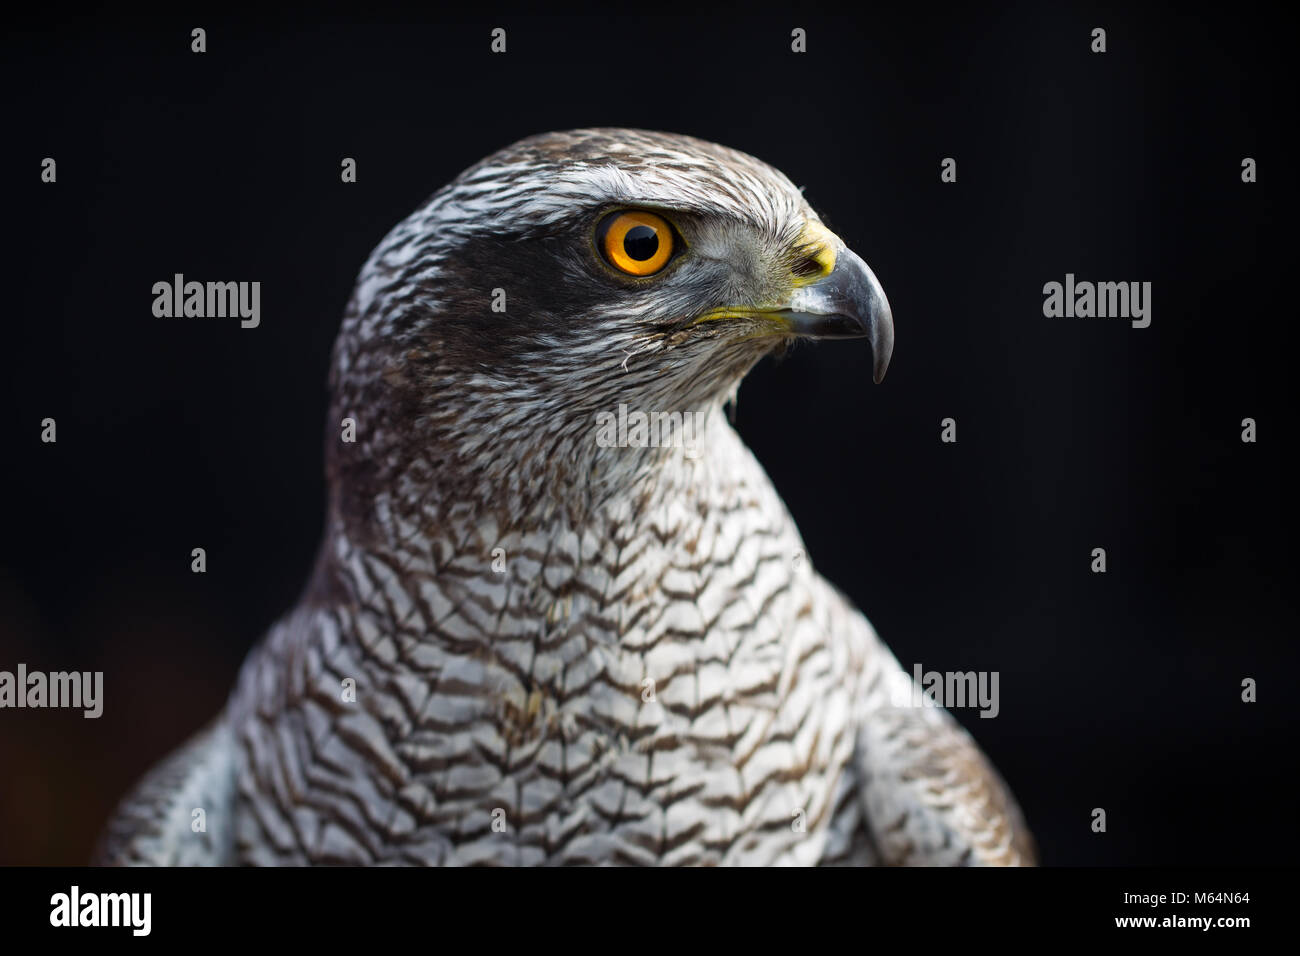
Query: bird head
575, 271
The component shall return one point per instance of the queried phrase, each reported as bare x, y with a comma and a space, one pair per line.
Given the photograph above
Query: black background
1119, 691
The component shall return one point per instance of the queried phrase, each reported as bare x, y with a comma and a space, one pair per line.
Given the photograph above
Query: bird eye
635, 242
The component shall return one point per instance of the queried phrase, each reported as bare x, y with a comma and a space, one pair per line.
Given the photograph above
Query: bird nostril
806, 267
813, 260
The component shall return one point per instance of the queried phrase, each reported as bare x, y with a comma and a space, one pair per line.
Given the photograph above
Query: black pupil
641, 243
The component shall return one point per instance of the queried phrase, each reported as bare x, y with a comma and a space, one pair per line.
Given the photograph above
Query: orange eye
638, 243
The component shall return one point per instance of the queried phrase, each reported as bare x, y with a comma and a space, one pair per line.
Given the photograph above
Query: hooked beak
846, 304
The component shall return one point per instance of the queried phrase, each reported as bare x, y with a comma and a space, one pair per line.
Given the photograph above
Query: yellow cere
819, 244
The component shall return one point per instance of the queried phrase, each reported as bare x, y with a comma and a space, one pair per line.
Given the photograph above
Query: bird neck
501, 525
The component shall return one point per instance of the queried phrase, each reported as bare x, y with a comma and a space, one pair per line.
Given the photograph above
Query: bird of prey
524, 645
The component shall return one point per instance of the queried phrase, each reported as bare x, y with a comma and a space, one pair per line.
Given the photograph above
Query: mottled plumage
565, 652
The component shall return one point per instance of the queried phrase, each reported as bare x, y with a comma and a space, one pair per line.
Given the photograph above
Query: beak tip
882, 343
